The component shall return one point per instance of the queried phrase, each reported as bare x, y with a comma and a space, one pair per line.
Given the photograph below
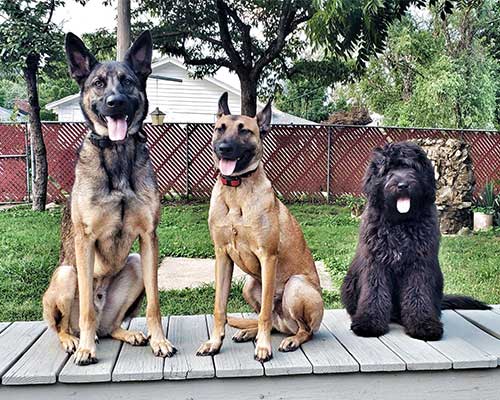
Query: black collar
104, 142
235, 181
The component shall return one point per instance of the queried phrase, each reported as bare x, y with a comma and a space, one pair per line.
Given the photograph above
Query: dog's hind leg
58, 305
123, 299
302, 312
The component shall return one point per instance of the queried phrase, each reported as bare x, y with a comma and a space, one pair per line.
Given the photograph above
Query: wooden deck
336, 364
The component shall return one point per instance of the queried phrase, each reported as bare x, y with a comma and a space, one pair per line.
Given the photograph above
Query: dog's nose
115, 100
226, 148
403, 185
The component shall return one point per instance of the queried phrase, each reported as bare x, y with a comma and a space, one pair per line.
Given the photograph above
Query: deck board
107, 352
137, 363
487, 320
417, 354
463, 354
371, 353
187, 333
15, 339
3, 326
40, 364
327, 355
32, 355
235, 359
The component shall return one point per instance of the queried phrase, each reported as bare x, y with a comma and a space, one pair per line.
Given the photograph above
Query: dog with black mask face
395, 274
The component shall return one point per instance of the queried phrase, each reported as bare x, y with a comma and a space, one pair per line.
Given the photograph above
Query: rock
454, 181
465, 231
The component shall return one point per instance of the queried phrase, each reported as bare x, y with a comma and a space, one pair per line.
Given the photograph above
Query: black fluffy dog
395, 274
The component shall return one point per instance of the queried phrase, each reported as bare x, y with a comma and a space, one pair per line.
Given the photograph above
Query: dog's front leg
149, 255
263, 351
223, 276
85, 256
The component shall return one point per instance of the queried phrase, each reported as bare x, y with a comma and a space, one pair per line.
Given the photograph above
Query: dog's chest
235, 230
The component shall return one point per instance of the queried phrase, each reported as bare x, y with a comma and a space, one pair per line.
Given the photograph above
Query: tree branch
227, 43
181, 51
245, 32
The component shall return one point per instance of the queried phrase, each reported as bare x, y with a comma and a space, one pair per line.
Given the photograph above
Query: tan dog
252, 228
114, 201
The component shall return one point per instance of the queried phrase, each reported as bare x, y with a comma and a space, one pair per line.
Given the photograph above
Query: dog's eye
128, 82
99, 83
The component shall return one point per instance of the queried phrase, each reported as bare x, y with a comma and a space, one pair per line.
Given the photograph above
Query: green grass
29, 251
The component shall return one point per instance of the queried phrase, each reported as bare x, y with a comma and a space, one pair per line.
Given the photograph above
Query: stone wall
454, 180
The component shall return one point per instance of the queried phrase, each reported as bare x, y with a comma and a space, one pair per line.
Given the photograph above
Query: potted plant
484, 208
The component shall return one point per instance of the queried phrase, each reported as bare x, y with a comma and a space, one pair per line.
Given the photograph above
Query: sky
93, 16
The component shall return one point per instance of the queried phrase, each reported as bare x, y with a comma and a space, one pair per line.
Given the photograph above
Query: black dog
395, 274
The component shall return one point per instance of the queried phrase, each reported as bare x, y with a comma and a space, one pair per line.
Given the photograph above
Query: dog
249, 226
395, 274
114, 201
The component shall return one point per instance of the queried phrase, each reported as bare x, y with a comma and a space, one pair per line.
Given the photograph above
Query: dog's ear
374, 170
80, 60
223, 108
264, 118
140, 55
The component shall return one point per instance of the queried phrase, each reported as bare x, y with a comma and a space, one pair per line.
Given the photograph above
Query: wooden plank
289, 363
4, 325
187, 333
138, 363
487, 320
40, 364
480, 384
235, 359
16, 339
462, 354
327, 355
107, 353
417, 354
479, 338
371, 354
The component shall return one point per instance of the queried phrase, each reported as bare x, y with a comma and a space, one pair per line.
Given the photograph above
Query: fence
313, 162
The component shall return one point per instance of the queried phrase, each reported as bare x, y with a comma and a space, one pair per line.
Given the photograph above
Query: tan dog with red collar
252, 228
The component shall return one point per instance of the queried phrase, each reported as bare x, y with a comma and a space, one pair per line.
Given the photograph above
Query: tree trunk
248, 96
36, 137
123, 29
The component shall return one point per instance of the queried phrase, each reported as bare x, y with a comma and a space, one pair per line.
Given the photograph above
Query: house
7, 115
192, 100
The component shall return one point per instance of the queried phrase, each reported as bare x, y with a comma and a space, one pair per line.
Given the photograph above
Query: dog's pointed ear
223, 108
264, 118
80, 60
140, 55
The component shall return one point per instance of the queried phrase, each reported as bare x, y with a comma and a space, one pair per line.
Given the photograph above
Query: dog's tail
452, 302
242, 323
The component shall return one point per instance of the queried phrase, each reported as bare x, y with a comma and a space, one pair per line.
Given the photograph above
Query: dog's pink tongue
403, 205
117, 128
226, 166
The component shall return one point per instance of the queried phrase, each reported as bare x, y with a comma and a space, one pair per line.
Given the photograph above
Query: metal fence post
328, 164
188, 162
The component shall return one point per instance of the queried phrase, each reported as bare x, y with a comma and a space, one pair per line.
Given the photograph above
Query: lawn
29, 247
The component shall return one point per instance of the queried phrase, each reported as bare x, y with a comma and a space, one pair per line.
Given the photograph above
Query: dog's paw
244, 335
85, 357
135, 338
263, 353
70, 343
162, 348
290, 343
209, 348
366, 328
430, 330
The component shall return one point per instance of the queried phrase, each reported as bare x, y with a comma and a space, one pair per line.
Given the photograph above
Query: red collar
235, 181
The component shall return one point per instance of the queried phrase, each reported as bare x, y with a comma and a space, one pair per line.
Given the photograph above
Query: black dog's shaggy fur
395, 274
